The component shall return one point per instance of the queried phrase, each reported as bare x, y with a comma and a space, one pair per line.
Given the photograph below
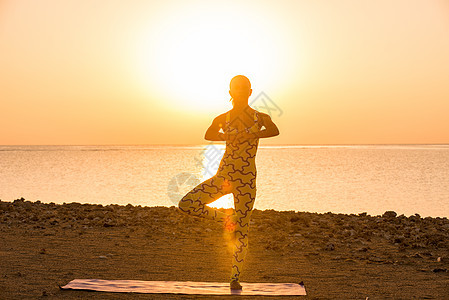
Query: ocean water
408, 179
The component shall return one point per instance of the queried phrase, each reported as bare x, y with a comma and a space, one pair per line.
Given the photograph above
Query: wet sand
337, 256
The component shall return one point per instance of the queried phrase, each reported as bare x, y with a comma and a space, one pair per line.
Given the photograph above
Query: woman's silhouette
241, 129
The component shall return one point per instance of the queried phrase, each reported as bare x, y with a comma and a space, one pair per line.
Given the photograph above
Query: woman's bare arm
213, 132
270, 128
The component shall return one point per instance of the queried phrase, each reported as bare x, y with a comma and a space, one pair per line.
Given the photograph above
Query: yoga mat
185, 287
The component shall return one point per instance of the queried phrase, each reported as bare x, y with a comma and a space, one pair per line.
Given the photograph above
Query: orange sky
157, 72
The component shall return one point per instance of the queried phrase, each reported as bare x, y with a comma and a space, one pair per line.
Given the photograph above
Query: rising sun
189, 54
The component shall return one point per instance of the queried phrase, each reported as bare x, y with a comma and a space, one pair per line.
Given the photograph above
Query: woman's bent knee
185, 204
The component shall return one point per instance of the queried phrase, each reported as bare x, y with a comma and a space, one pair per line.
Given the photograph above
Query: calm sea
408, 179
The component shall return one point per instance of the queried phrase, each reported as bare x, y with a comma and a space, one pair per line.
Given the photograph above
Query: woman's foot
235, 285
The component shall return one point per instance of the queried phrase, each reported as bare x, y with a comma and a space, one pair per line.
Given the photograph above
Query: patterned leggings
194, 203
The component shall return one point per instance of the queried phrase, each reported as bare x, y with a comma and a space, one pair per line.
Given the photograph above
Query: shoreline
363, 213
338, 256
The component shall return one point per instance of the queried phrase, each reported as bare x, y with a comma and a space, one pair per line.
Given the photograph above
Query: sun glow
189, 57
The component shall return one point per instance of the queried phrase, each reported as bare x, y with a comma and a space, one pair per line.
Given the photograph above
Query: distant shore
337, 256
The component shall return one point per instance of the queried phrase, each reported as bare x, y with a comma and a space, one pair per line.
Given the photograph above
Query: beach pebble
108, 223
415, 218
389, 214
53, 221
330, 247
417, 255
294, 219
439, 270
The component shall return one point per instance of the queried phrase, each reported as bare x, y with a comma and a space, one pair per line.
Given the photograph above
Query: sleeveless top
239, 159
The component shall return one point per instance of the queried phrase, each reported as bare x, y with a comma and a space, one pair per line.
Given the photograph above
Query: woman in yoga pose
242, 129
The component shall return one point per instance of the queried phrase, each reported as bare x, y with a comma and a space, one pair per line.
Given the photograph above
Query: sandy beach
337, 256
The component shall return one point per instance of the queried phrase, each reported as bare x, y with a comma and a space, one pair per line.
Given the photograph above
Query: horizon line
201, 144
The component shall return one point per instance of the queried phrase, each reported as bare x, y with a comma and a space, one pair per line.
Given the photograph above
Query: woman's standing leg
244, 198
194, 202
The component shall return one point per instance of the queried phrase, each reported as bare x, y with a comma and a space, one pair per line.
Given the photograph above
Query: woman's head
240, 89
